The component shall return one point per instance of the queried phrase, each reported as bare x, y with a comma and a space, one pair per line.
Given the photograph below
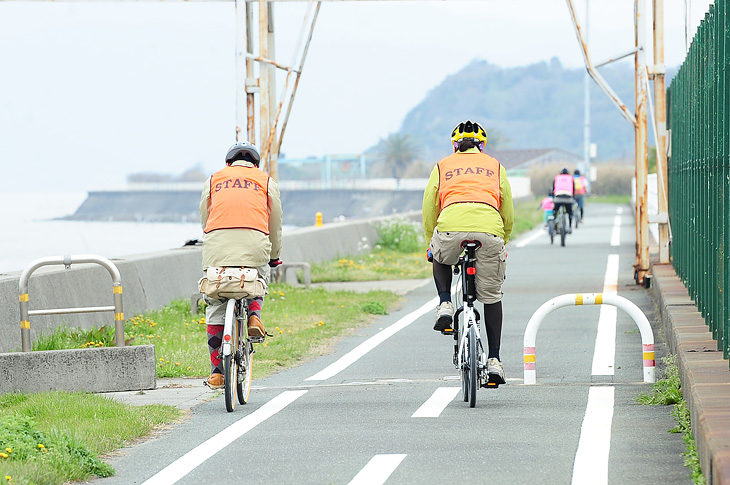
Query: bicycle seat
465, 243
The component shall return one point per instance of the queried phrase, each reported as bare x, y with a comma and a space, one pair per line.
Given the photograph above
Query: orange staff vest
469, 177
239, 199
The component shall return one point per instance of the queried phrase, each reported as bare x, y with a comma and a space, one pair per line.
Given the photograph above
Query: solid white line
190, 460
591, 459
436, 403
378, 469
368, 345
604, 354
616, 231
529, 238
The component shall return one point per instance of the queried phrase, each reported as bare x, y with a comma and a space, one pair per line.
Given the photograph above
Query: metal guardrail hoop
67, 261
575, 299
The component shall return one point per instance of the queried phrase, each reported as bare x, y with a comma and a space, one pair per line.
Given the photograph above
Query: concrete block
92, 370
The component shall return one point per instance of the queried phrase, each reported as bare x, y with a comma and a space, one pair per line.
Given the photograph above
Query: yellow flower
41, 447
177, 363
8, 477
162, 360
3, 455
9, 450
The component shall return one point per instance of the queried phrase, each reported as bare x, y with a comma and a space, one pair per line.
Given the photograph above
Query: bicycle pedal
447, 331
491, 385
256, 340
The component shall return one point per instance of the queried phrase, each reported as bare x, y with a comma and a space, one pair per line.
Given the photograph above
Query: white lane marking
378, 469
604, 353
190, 460
591, 459
437, 402
528, 239
616, 231
368, 345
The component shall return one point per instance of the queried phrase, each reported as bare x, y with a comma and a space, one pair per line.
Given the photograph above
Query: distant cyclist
240, 210
547, 205
581, 188
468, 197
563, 192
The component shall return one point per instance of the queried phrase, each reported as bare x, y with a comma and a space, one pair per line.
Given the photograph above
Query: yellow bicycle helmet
467, 129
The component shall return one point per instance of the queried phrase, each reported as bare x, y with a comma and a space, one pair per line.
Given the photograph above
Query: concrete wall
151, 281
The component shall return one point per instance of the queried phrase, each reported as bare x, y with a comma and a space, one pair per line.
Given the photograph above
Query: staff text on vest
468, 170
236, 184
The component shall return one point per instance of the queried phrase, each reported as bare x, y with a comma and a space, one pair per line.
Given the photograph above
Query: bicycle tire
464, 374
473, 366
563, 229
230, 366
243, 389
551, 230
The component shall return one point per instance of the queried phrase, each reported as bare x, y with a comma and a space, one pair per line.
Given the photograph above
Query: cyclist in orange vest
240, 210
581, 187
468, 197
563, 192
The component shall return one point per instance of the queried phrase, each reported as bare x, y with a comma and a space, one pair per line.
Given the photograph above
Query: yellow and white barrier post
575, 299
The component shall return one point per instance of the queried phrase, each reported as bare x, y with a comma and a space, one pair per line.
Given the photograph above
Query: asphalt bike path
386, 405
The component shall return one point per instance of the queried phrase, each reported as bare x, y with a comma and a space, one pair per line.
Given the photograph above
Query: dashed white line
437, 402
616, 231
190, 460
378, 469
368, 345
591, 459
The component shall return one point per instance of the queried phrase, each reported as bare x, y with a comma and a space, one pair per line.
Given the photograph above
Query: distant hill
535, 106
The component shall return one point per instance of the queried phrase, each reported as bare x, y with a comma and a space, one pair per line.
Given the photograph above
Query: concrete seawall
151, 281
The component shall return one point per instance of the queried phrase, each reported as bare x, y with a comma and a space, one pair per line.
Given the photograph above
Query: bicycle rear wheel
465, 372
244, 371
473, 366
230, 366
563, 227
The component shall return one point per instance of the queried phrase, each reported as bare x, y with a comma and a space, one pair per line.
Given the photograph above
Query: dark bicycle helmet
240, 150
565, 171
576, 172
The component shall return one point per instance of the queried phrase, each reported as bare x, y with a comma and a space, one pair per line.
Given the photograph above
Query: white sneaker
495, 371
444, 316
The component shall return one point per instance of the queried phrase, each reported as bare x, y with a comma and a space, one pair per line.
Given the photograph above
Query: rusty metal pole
273, 148
252, 84
264, 81
660, 107
642, 162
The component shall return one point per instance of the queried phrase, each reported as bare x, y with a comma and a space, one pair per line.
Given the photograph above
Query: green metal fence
699, 171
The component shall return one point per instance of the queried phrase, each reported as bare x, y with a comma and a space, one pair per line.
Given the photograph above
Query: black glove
273, 263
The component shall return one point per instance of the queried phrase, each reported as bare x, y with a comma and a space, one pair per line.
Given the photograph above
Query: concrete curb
704, 373
91, 370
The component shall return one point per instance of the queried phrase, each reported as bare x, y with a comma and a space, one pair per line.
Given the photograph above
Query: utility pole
660, 106
641, 267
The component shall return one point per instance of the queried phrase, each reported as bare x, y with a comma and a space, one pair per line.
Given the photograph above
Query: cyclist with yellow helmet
468, 197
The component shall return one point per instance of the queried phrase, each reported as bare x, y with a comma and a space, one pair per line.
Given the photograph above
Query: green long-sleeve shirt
468, 216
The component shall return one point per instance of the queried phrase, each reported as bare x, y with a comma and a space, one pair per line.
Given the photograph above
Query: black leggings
442, 276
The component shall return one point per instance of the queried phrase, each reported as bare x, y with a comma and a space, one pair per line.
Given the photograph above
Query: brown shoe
255, 327
215, 381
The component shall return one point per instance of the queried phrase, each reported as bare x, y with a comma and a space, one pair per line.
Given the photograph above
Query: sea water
30, 231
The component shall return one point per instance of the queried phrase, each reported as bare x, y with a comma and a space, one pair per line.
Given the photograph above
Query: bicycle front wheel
473, 367
465, 372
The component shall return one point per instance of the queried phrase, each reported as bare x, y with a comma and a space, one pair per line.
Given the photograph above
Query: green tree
397, 151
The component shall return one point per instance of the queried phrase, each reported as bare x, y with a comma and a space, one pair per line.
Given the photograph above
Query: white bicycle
469, 356
237, 351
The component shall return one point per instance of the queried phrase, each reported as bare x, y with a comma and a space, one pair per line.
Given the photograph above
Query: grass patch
303, 323
55, 437
668, 391
379, 264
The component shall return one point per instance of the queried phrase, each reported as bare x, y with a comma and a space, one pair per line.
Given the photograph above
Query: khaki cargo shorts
491, 259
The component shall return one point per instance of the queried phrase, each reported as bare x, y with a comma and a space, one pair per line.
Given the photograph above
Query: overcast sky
90, 92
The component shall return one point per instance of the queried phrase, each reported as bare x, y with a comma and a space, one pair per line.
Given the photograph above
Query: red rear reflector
227, 338
471, 271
